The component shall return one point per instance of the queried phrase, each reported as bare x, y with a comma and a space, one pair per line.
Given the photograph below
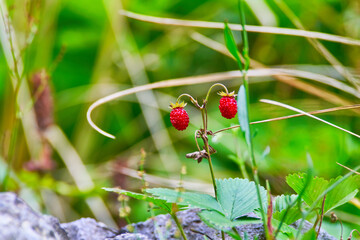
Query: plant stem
191, 99
211, 169
11, 153
206, 143
173, 215
216, 84
321, 216
249, 142
240, 159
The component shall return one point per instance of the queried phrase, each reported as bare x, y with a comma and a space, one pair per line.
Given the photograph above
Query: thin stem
249, 142
240, 158
321, 216
328, 110
223, 235
211, 169
244, 36
206, 143
216, 84
252, 157
11, 157
191, 99
196, 141
342, 230
312, 207
236, 232
206, 119
173, 215
352, 232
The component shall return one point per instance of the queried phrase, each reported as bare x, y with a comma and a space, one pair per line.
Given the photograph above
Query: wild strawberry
178, 116
228, 105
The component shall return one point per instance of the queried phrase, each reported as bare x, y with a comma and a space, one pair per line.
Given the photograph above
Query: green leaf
243, 113
309, 235
280, 206
282, 202
231, 45
341, 194
238, 196
286, 231
222, 223
158, 202
199, 200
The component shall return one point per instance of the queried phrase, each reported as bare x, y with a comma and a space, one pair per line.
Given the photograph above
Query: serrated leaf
243, 113
280, 205
286, 231
223, 223
158, 202
283, 201
231, 45
229, 232
341, 194
199, 200
238, 197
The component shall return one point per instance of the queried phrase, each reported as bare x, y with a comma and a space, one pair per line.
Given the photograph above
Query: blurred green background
79, 51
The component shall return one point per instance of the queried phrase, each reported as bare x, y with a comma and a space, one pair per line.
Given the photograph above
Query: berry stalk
206, 143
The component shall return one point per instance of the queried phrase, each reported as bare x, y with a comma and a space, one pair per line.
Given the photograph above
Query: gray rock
195, 229
307, 226
88, 229
130, 236
19, 222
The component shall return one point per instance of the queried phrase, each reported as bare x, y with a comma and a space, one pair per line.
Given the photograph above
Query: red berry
228, 106
179, 117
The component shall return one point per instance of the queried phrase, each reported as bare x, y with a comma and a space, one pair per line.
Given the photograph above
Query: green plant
235, 198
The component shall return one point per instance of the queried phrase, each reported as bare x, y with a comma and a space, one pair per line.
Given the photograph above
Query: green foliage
223, 223
341, 194
286, 232
309, 235
280, 208
243, 113
231, 45
158, 202
196, 200
236, 197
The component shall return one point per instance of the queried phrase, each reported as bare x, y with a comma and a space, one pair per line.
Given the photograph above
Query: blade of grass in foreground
243, 103
307, 114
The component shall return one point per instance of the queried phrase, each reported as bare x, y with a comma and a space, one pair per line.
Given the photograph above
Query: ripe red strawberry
228, 105
178, 116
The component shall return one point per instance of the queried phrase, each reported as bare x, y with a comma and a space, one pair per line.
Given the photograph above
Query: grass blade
238, 27
307, 114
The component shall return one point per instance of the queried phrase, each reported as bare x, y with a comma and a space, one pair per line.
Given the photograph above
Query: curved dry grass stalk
307, 114
237, 27
328, 110
215, 77
318, 45
291, 81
